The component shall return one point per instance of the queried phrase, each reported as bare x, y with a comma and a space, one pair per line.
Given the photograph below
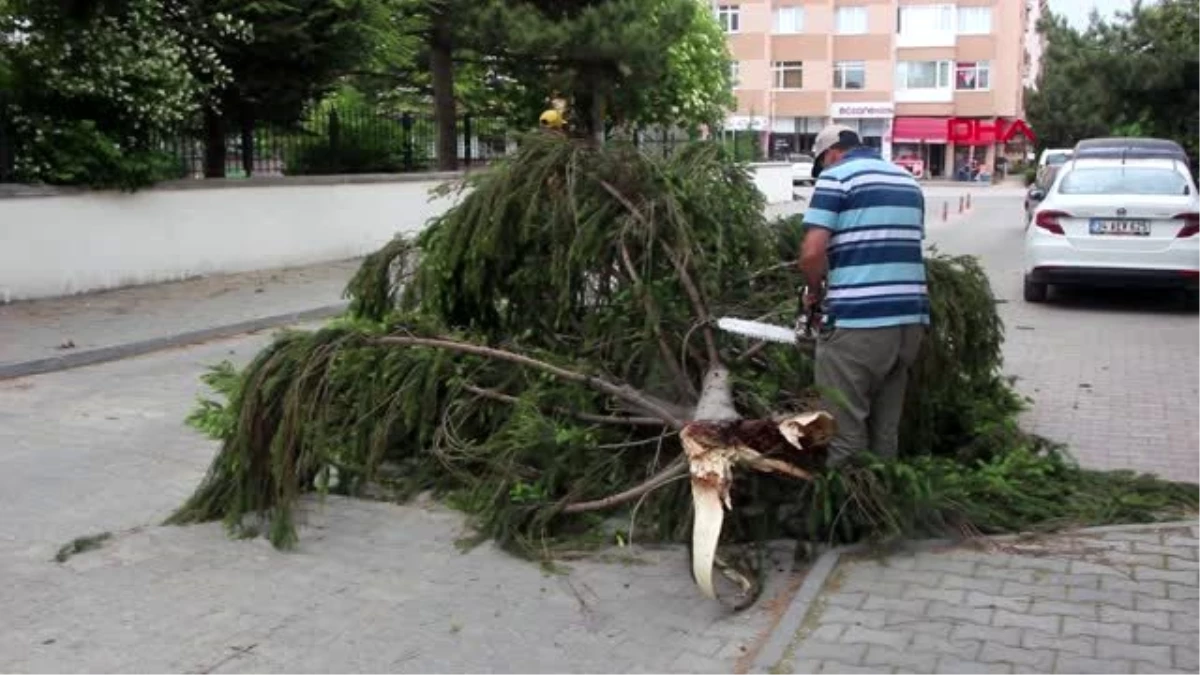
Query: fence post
248, 149
406, 137
335, 130
467, 140
7, 152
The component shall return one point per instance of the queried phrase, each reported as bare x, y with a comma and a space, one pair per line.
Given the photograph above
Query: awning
920, 129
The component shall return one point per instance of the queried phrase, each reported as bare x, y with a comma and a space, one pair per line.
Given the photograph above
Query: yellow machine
556, 117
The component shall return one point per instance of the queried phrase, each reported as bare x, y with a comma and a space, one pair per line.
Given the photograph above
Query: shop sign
883, 110
967, 131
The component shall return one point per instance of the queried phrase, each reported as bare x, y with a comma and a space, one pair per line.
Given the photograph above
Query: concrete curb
92, 357
784, 633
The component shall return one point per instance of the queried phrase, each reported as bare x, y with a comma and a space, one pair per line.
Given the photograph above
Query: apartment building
935, 84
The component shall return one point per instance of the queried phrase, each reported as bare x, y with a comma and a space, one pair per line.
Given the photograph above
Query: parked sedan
1115, 223
1037, 191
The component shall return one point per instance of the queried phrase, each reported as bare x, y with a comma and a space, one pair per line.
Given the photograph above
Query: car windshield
1057, 158
1124, 180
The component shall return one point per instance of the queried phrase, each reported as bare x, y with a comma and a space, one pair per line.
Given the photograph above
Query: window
788, 74
923, 75
919, 19
1056, 158
789, 20
974, 20
730, 18
1123, 180
972, 76
735, 74
851, 20
849, 75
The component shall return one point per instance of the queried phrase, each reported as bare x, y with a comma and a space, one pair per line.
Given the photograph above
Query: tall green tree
617, 61
297, 52
96, 85
1134, 75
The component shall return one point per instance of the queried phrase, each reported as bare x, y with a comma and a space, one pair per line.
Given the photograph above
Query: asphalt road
1111, 373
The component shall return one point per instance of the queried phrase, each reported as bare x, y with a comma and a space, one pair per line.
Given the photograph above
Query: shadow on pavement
1149, 301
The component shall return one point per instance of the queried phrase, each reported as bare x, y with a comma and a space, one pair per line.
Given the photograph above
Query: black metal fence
340, 142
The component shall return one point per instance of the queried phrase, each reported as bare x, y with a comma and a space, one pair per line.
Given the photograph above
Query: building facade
935, 85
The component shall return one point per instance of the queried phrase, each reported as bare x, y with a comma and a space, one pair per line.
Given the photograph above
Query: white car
1054, 156
1115, 222
802, 168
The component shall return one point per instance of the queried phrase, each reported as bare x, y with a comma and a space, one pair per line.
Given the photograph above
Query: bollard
968, 201
960, 203
945, 211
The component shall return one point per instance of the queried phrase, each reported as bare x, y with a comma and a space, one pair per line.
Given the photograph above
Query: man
863, 233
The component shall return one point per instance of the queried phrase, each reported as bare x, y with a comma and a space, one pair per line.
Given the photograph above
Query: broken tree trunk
717, 440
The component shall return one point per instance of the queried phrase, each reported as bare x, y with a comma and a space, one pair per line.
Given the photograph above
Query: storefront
872, 121
921, 142
980, 142
792, 135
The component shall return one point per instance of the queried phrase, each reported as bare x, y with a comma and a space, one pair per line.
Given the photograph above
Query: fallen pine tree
544, 355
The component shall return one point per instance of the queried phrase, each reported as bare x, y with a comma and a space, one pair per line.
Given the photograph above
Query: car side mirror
1037, 194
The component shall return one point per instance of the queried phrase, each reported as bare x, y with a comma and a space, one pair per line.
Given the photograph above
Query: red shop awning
920, 129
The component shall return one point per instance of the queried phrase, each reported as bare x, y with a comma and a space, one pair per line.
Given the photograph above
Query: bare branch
681, 378
674, 469
586, 417
698, 305
623, 392
685, 278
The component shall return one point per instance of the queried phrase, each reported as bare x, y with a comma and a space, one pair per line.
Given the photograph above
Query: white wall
73, 243
55, 243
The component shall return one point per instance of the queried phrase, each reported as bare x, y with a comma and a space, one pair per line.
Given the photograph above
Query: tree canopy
107, 80
92, 91
1135, 75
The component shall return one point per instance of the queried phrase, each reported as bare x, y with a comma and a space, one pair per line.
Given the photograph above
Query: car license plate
1120, 227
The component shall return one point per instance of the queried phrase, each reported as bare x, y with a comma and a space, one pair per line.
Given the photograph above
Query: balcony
945, 95
926, 39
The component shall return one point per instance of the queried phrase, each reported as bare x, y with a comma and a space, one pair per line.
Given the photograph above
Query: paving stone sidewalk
373, 587
57, 327
1115, 600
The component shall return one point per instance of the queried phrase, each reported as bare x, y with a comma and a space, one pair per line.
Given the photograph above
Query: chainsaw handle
812, 317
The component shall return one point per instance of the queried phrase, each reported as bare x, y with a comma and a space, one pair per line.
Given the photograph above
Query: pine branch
685, 384
623, 392
586, 417
698, 305
674, 469
685, 278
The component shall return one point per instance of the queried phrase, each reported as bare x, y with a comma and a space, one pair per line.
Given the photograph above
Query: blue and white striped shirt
875, 212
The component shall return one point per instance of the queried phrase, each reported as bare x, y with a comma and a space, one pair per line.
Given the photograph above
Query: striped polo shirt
875, 212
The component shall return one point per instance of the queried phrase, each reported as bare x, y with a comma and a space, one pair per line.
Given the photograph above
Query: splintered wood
713, 448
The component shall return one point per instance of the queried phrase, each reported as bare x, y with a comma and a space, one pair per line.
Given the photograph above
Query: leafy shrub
76, 152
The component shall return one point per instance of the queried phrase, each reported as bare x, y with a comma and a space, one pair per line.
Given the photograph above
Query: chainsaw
803, 333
